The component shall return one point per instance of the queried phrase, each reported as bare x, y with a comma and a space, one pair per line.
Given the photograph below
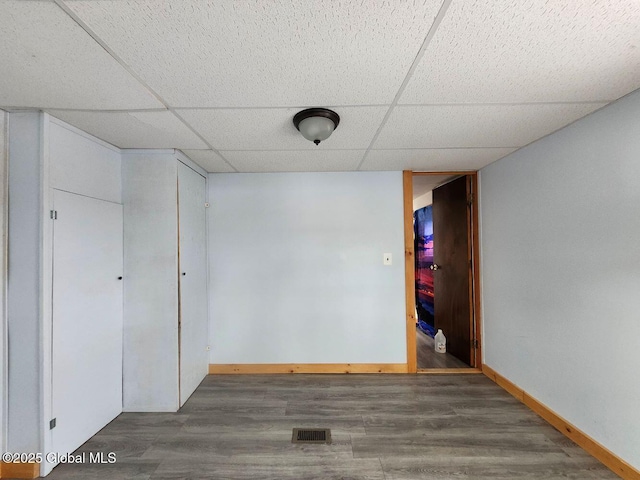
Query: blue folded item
426, 328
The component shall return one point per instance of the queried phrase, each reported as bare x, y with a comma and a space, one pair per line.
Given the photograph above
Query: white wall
422, 201
561, 273
82, 164
296, 268
23, 284
4, 159
149, 189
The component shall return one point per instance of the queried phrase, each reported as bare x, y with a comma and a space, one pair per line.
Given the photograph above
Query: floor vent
311, 435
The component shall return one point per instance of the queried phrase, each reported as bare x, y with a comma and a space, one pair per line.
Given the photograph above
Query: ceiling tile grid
273, 129
48, 61
197, 75
520, 51
295, 160
489, 126
264, 52
433, 160
134, 129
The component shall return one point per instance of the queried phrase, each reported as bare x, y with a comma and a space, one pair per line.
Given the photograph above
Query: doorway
441, 271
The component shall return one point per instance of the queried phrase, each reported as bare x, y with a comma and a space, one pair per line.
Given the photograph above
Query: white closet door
87, 318
194, 330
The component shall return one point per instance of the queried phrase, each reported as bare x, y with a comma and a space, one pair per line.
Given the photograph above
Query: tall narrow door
193, 317
87, 318
452, 266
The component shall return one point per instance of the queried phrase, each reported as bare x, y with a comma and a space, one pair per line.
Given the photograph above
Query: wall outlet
386, 259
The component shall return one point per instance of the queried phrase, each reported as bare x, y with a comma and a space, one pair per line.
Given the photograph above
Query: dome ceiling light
316, 124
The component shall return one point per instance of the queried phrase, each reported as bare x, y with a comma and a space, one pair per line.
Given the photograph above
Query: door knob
119, 278
184, 273
435, 266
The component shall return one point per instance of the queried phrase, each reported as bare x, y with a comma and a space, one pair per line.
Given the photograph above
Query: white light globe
316, 129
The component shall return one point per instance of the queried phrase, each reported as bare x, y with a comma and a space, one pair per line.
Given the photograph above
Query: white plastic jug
440, 342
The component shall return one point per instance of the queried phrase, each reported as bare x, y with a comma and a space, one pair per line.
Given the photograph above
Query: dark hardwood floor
429, 358
386, 427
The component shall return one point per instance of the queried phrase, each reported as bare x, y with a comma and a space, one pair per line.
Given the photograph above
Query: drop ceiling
420, 85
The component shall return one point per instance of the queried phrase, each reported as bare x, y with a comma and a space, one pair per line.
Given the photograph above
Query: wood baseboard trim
449, 371
19, 470
588, 444
270, 368
510, 387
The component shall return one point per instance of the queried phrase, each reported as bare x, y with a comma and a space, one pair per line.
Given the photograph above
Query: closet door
193, 318
87, 318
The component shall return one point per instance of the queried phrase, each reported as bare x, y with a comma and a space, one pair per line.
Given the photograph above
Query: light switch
386, 260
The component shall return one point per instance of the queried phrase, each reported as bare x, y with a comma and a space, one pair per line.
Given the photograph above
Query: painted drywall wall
422, 201
296, 271
4, 171
82, 164
150, 371
23, 284
561, 272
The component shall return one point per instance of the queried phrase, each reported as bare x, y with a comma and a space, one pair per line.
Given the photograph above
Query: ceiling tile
209, 160
134, 129
273, 129
530, 51
448, 126
433, 160
295, 161
265, 52
48, 61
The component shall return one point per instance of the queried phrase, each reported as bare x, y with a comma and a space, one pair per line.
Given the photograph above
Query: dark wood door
452, 280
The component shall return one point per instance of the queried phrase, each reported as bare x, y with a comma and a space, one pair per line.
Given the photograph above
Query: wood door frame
409, 268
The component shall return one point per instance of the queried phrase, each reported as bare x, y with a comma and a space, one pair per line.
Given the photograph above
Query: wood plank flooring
429, 358
384, 427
